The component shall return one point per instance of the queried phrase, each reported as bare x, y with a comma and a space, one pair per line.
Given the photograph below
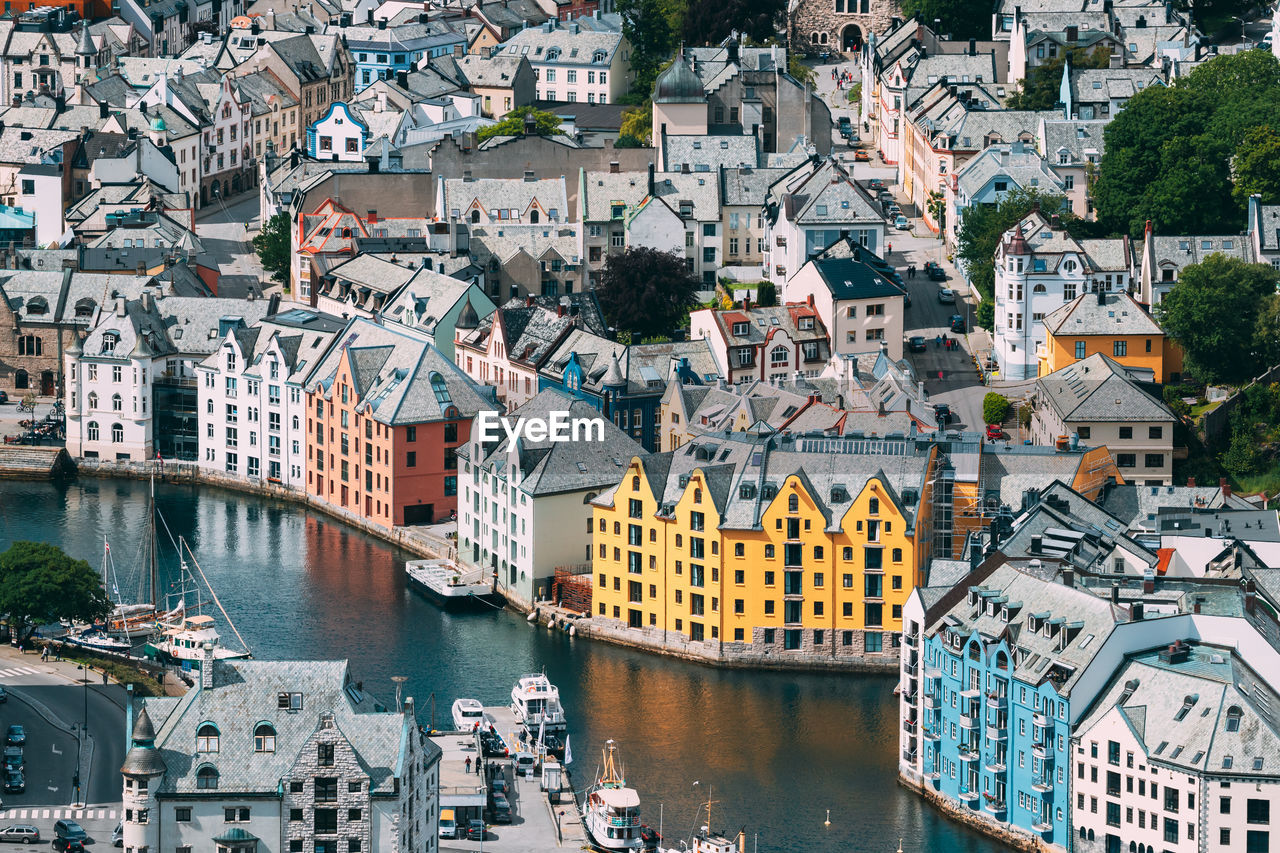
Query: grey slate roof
705, 153
1118, 315
1099, 389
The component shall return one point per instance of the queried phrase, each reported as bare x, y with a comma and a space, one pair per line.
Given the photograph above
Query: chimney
1191, 482
1102, 297
528, 175
373, 217
1036, 544
1148, 582
528, 301
1135, 612
120, 310
370, 16
1115, 593
614, 167
206, 666
1250, 596
651, 183
102, 109
1055, 222
402, 79
458, 50
973, 47
1068, 577
1225, 487
1073, 34
560, 309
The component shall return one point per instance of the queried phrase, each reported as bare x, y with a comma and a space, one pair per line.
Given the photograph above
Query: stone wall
977, 820
820, 16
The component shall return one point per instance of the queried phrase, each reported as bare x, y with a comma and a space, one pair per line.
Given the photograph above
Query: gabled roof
1116, 314
1099, 389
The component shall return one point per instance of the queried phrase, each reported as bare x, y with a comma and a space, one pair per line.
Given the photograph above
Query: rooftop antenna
399, 680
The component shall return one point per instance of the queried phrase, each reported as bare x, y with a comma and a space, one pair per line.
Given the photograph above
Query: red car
861, 157
995, 433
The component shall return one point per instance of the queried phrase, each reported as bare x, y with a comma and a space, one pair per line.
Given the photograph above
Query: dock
537, 824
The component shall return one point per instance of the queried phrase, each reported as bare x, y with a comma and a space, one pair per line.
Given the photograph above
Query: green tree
797, 69
272, 247
766, 294
710, 23
646, 292
995, 408
513, 124
637, 127
40, 584
1041, 88
652, 28
1242, 457
1257, 166
960, 19
1214, 312
985, 314
982, 227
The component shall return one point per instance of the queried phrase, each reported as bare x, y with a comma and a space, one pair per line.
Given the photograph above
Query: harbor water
776, 751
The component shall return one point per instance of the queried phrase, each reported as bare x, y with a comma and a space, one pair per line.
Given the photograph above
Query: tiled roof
1118, 314
1099, 389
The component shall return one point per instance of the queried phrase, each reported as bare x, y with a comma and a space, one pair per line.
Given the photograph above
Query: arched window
823, 39
1039, 288
897, 555
92, 431
84, 307
264, 738
793, 503
814, 38
1133, 847
475, 215
93, 400
117, 404
778, 355
209, 406
117, 433
635, 484
697, 496
207, 739
1002, 660
109, 341
1082, 832
533, 217
1233, 718
207, 778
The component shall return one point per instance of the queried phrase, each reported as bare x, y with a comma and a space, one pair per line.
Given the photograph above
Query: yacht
467, 714
98, 641
535, 701
185, 641
612, 812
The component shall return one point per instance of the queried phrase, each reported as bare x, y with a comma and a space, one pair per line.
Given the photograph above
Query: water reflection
778, 749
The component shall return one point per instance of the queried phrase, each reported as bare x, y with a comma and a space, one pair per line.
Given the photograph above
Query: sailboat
183, 634
612, 809
102, 637
134, 622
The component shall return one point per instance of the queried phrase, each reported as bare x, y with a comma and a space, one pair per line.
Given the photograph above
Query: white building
524, 507
338, 135
278, 755
1038, 267
251, 405
572, 64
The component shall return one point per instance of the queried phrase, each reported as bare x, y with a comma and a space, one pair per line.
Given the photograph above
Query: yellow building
766, 549
1110, 324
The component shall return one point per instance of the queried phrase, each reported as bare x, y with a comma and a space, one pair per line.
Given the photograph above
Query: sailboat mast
151, 532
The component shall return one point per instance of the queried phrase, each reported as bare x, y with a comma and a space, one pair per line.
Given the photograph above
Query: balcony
933, 774
930, 733
1042, 784
910, 639
994, 806
1041, 721
1043, 825
931, 702
933, 674
911, 669
969, 796
971, 693
909, 726
1042, 750
968, 752
997, 732
909, 756
996, 763
968, 721
997, 701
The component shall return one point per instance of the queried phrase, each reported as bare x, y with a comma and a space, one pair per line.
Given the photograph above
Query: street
226, 229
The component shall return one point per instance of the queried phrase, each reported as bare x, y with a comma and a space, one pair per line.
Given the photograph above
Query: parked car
499, 786
70, 830
875, 184
475, 830
845, 125
4, 696
20, 833
14, 782
947, 296
893, 209
901, 223
4, 397
957, 324
942, 413
16, 736
915, 343
68, 845
934, 271
13, 759
861, 156
996, 433
501, 809
524, 763
883, 196
117, 835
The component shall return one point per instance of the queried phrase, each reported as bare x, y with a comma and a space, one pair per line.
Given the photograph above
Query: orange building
1110, 324
386, 412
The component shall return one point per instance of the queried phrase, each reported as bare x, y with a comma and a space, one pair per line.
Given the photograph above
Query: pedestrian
938, 341
468, 763
44, 654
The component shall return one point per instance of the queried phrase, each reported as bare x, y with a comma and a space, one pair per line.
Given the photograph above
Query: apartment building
574, 64
1110, 324
751, 343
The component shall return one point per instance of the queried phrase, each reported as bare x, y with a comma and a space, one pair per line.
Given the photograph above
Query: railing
997, 732
968, 794
1042, 750
1040, 720
930, 733
997, 701
1043, 824
968, 753
624, 821
996, 764
1042, 784
910, 640
994, 806
931, 701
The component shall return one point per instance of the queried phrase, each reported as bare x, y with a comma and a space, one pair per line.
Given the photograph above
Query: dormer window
109, 341
207, 738
289, 701
741, 329
264, 738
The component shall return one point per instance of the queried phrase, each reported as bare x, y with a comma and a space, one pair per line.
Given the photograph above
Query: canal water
776, 751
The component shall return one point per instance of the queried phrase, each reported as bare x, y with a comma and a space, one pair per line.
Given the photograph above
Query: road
226, 230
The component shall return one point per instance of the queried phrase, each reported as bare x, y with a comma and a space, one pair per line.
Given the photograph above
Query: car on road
499, 786
901, 223
934, 271
475, 830
1265, 43
69, 830
875, 184
861, 156
20, 833
16, 736
13, 759
68, 845
4, 398
947, 296
14, 783
915, 343
448, 826
996, 433
501, 809
942, 412
845, 124
957, 324
117, 835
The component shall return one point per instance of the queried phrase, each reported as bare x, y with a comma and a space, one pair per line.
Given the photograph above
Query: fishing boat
467, 714
184, 634
709, 840
535, 701
612, 813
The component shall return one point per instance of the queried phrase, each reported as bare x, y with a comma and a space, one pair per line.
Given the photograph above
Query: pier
537, 823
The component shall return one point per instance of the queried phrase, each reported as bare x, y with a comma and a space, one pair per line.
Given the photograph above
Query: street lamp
84, 730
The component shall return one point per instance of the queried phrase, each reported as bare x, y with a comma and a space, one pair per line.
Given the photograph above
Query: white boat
185, 641
99, 642
535, 701
467, 714
445, 583
708, 840
612, 812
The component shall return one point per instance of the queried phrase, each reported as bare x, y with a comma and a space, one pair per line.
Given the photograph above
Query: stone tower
142, 770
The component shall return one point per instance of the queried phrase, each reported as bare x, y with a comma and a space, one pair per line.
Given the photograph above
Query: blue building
380, 50
988, 672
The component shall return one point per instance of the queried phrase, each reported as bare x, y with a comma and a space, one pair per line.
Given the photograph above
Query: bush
995, 408
985, 315
766, 294
1243, 457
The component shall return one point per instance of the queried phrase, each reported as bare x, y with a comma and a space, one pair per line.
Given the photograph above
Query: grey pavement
226, 229
11, 419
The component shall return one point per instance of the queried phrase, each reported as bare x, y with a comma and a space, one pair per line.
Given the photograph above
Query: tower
142, 770
679, 102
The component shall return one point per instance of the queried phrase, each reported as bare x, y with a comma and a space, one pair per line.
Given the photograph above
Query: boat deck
534, 819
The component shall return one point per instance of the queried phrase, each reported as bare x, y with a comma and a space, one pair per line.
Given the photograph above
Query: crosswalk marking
18, 670
46, 814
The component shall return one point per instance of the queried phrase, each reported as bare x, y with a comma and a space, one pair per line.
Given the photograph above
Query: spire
143, 759
614, 377
85, 48
468, 319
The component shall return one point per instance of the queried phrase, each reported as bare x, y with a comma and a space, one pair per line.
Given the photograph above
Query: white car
901, 223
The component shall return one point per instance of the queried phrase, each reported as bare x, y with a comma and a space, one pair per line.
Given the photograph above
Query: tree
766, 294
995, 408
645, 291
1256, 165
272, 246
711, 23
637, 127
797, 69
513, 124
40, 584
960, 19
1042, 87
1215, 312
651, 28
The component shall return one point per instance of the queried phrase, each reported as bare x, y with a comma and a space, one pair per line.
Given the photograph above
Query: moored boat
445, 583
612, 812
468, 714
535, 701
98, 641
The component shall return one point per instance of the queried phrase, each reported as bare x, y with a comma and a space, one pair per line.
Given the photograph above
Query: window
182, 814
1079, 349
264, 738
326, 822
207, 778
1153, 460
326, 787
1258, 811
207, 738
324, 754
1119, 348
